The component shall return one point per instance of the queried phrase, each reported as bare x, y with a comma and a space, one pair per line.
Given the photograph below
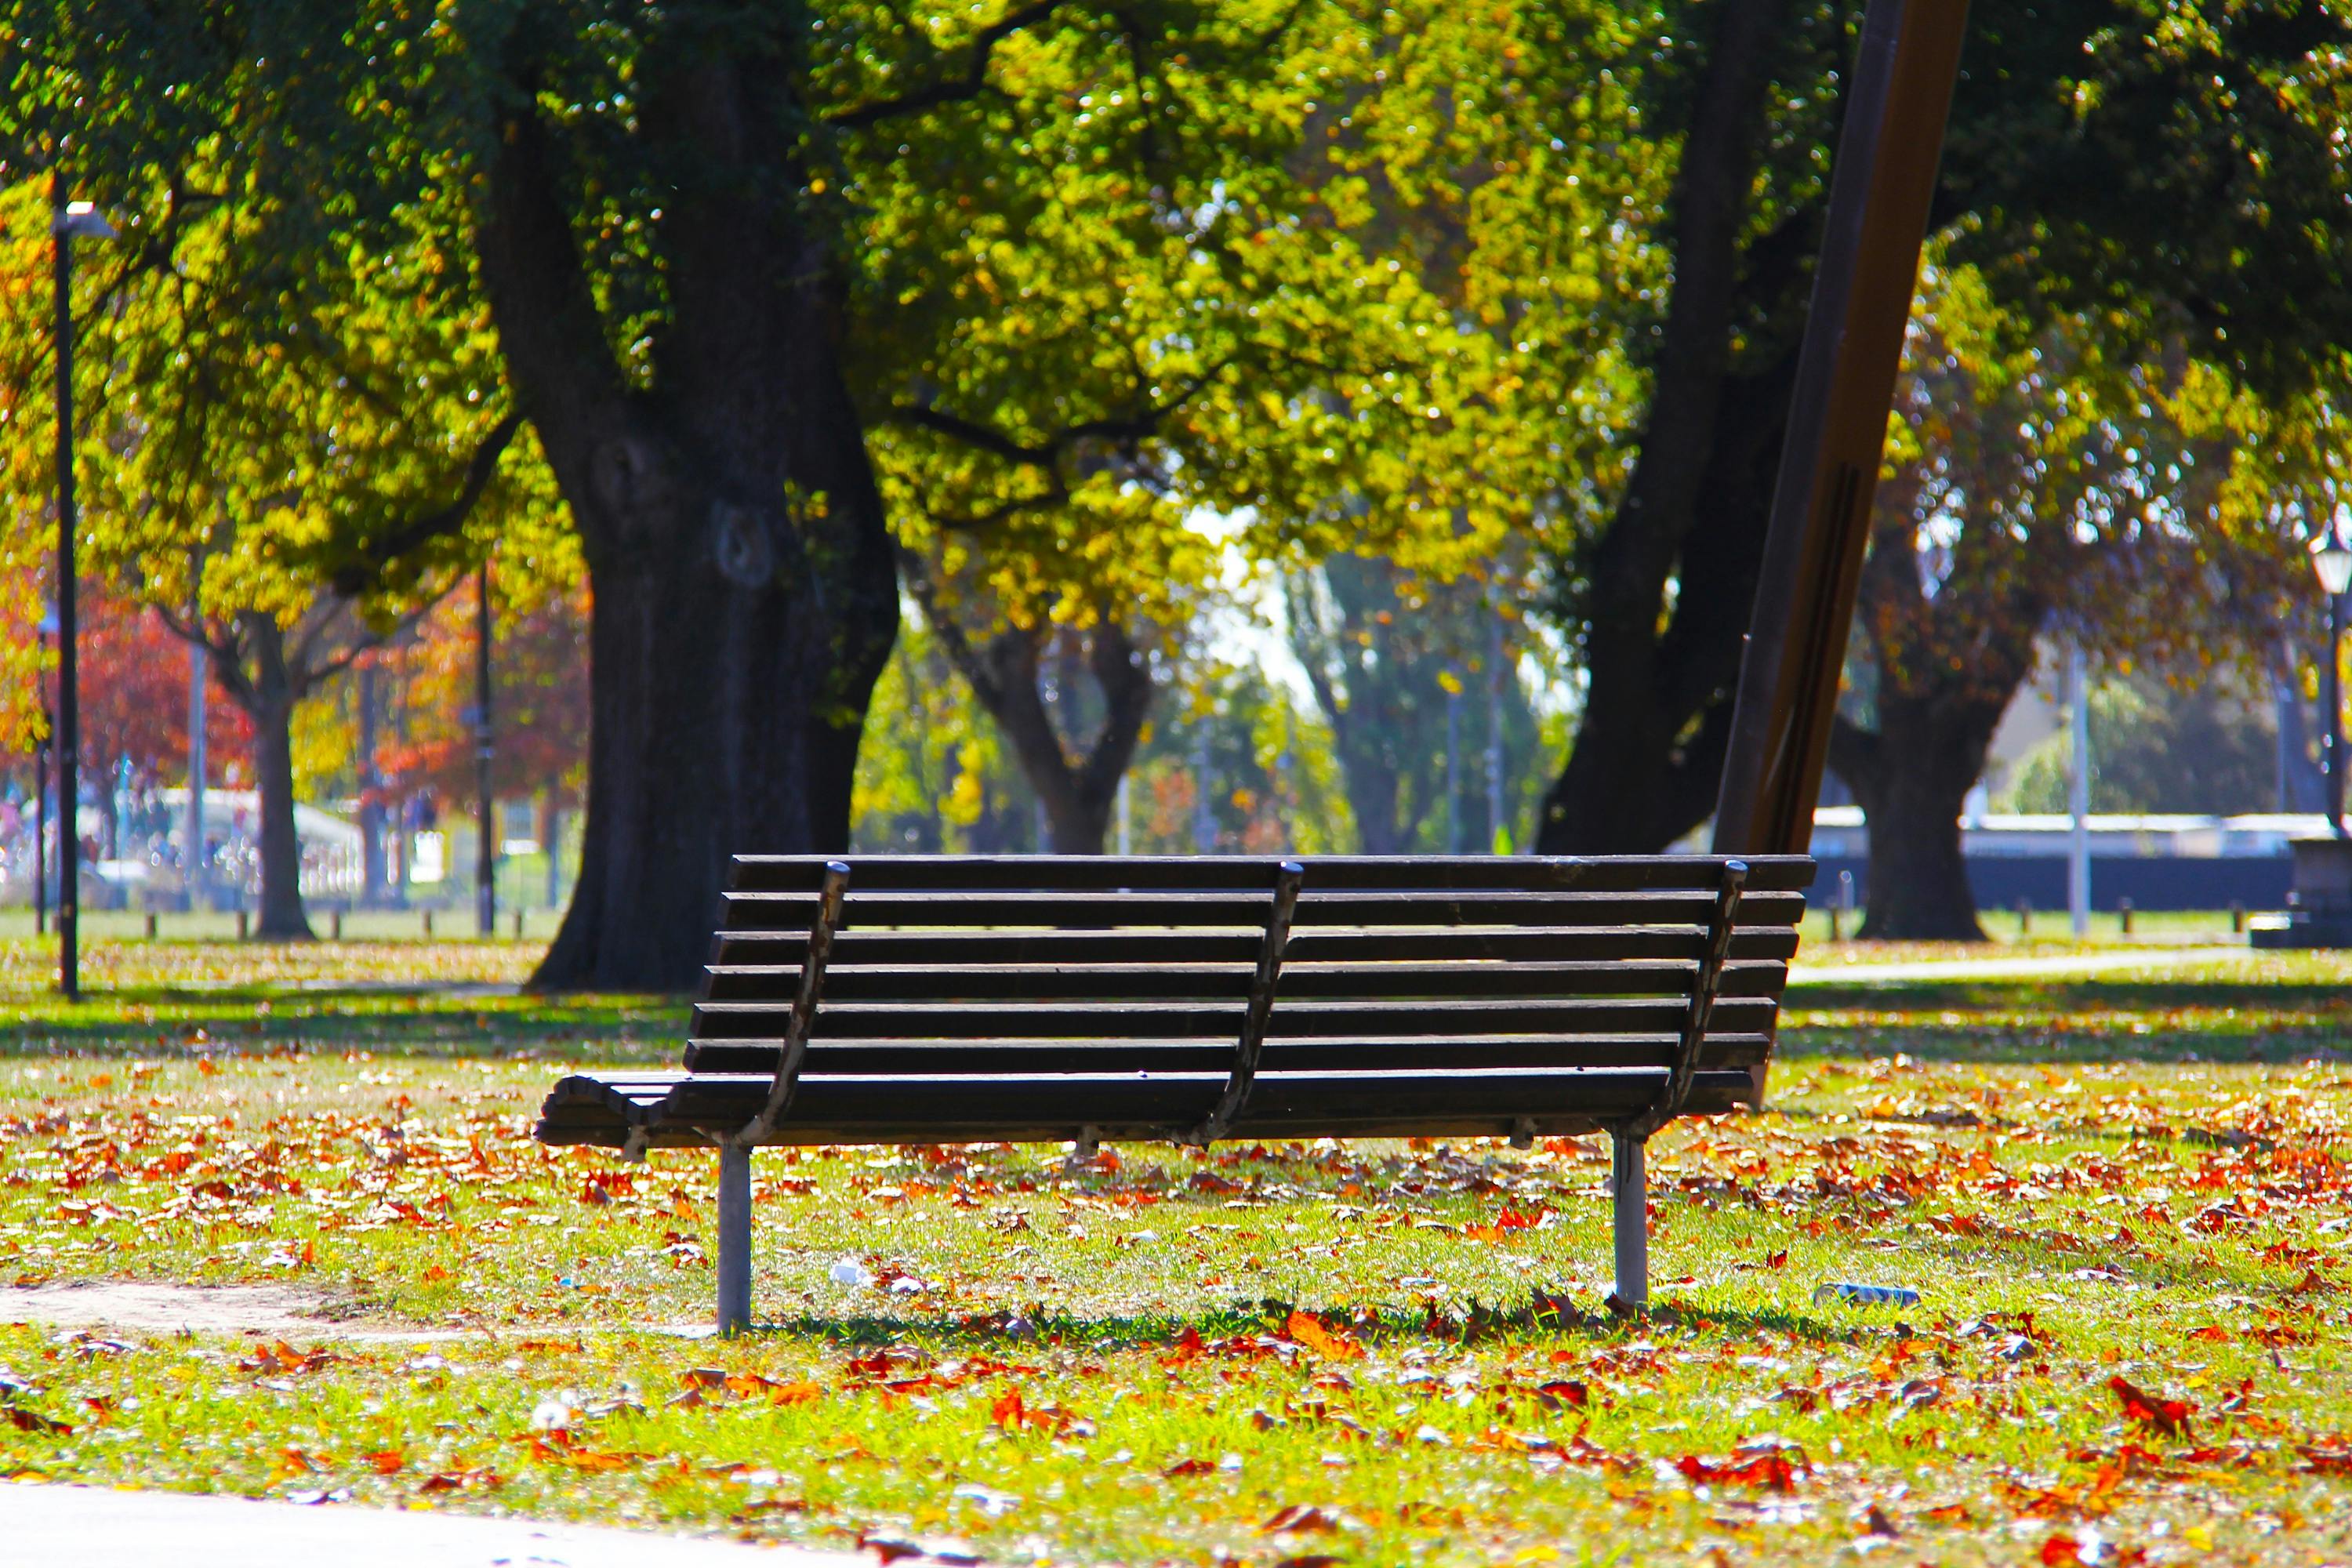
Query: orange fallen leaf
1309, 1330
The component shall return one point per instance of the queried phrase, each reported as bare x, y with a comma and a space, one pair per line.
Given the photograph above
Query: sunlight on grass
2124, 1207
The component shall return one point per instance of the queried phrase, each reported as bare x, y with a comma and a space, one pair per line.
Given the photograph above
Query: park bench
917, 999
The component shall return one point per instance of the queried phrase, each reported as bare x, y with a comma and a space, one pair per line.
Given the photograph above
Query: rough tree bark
1650, 744
743, 578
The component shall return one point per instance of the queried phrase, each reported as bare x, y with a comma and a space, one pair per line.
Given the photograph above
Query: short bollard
518, 924
335, 926
1837, 933
151, 925
2237, 918
2124, 908
244, 926
2025, 917
428, 925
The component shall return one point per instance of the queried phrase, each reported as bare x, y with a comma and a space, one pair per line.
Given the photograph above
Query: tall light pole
486, 860
71, 221
2331, 558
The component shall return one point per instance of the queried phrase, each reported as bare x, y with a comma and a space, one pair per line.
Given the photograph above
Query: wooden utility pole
1880, 190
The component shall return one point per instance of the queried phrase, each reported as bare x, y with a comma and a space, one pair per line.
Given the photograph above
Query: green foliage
2206, 746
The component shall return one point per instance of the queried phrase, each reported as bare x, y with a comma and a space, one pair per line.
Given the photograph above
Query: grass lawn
2122, 1197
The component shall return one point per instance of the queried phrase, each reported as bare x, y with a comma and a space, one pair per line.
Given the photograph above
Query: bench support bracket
734, 1236
1286, 879
796, 1032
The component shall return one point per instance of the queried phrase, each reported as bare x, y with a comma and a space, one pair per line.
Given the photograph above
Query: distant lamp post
2332, 560
71, 221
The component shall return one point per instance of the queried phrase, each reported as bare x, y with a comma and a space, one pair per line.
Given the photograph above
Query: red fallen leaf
1301, 1519
2169, 1416
1875, 1523
33, 1421
1188, 1345
2329, 1462
1311, 1560
2061, 1550
459, 1480
1774, 1471
1512, 1219
1008, 1412
1776, 1259
1564, 1395
1309, 1330
2211, 1333
386, 1463
1188, 1468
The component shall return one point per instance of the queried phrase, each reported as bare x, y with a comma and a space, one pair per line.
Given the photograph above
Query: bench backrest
1283, 993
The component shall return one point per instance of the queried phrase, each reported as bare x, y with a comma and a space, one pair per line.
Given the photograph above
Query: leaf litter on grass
2129, 1348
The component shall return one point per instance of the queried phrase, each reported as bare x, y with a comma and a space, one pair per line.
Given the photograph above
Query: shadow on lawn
1009, 1335
2064, 1041
169, 1021
2086, 996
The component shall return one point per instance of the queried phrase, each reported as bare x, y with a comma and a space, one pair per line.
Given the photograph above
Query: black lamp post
69, 221
2332, 560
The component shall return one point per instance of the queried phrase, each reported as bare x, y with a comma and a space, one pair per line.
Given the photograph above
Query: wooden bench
917, 999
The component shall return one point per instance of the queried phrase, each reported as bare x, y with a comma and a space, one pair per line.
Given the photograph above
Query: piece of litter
1867, 1295
849, 1271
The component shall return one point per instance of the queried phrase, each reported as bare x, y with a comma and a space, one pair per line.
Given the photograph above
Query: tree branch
957, 87
365, 568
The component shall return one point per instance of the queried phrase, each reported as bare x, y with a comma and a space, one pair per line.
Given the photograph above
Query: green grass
2141, 1178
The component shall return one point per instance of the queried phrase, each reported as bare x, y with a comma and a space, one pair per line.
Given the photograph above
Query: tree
2183, 169
134, 688
283, 484
1412, 676
2162, 741
539, 698
2048, 489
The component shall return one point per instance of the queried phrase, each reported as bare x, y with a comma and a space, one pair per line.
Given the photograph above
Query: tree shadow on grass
2084, 1042
166, 1021
2084, 996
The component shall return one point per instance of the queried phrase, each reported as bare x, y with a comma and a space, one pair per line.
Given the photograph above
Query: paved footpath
2058, 966
91, 1527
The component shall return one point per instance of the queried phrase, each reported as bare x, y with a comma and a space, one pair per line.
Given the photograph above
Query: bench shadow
1008, 1335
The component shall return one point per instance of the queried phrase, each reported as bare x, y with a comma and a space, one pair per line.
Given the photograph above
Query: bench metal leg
1628, 1207
734, 1236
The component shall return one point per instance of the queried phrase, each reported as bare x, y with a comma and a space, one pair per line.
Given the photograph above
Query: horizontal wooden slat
1283, 1105
965, 949
796, 911
1106, 982
1602, 874
1291, 1018
1040, 1058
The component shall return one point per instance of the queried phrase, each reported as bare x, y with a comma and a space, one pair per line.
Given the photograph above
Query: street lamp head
82, 220
2332, 559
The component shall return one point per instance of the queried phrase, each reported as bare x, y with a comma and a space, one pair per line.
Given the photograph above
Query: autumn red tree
539, 703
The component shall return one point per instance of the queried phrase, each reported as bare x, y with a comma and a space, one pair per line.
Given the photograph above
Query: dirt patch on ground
275, 1309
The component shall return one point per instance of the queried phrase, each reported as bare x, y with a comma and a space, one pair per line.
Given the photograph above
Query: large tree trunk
743, 579
1647, 760
1913, 775
269, 703
714, 734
